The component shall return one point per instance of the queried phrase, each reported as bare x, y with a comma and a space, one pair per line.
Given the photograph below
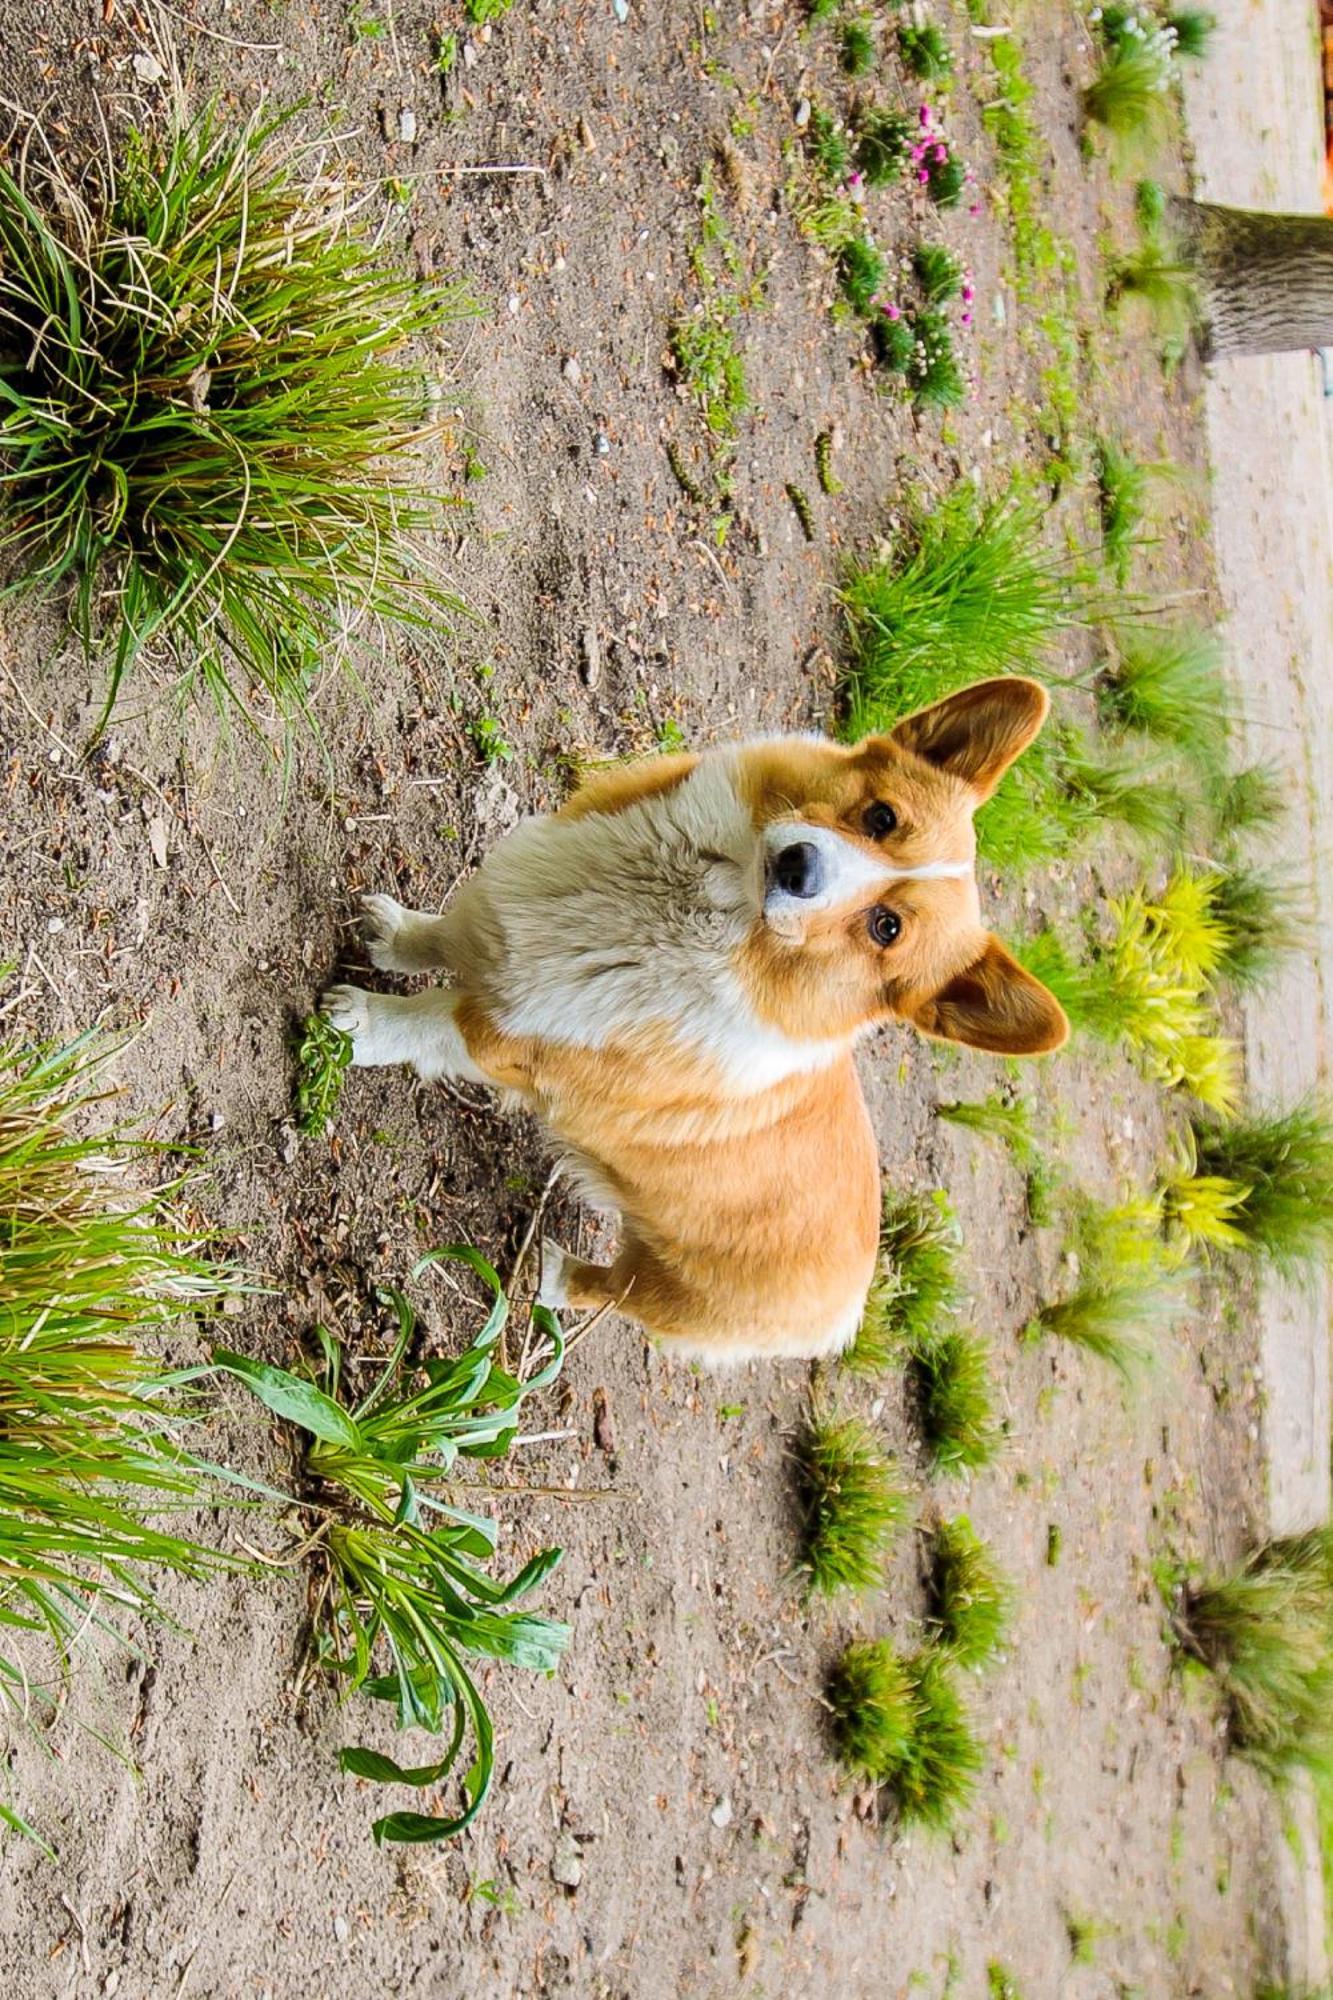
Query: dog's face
869, 897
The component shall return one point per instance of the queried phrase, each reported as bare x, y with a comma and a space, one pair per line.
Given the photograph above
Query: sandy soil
682, 1746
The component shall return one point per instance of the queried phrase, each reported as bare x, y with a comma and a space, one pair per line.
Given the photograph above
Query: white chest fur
613, 922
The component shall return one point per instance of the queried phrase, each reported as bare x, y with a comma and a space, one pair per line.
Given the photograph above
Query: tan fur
685, 1029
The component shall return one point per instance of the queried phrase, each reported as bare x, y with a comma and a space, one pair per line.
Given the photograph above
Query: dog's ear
977, 733
997, 1005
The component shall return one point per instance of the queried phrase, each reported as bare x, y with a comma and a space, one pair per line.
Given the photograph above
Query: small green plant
860, 274
883, 143
938, 272
1199, 1210
446, 54
95, 1470
925, 51
854, 1505
1131, 1290
828, 147
899, 1723
225, 461
1122, 487
1000, 1983
1155, 277
1266, 1631
481, 13
1262, 922
857, 46
709, 363
1194, 28
950, 1376
917, 1286
1281, 1165
1149, 205
1130, 99
969, 589
1084, 1934
323, 1053
1007, 1119
1247, 804
1166, 682
403, 1575
970, 1601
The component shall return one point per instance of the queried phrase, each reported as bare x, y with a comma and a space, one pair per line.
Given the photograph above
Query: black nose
797, 870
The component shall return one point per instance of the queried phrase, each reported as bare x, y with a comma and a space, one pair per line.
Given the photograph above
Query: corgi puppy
672, 971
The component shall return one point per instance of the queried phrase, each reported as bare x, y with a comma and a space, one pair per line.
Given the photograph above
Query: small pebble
342, 1930
721, 1813
572, 371
802, 118
603, 444
407, 125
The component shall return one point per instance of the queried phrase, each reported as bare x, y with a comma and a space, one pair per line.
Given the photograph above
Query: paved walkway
1255, 115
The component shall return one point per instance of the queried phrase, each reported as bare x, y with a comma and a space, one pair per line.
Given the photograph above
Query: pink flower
923, 115
975, 209
854, 181
892, 312
941, 152
923, 176
968, 295
967, 319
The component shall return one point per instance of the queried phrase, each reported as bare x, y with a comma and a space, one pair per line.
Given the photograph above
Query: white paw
551, 1291
383, 920
348, 1008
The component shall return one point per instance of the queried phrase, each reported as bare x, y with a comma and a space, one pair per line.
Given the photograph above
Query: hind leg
401, 940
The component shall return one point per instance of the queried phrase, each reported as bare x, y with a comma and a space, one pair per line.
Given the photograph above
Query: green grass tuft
95, 1472
969, 590
938, 272
899, 1723
408, 1600
710, 365
917, 1286
1007, 1119
1166, 682
1122, 489
1283, 1161
1262, 922
1194, 30
854, 1505
950, 1376
860, 274
1158, 280
883, 141
1131, 1290
214, 408
1266, 1631
828, 147
1247, 804
970, 1601
1130, 99
925, 51
857, 46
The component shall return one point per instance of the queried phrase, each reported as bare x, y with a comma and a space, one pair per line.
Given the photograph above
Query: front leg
401, 940
417, 1028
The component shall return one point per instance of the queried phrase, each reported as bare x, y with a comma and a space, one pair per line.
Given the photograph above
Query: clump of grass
1166, 682
934, 375
94, 1462
1199, 1210
917, 1286
710, 365
938, 272
950, 1377
899, 1723
1266, 1631
1007, 1119
1261, 920
970, 1601
883, 142
1130, 1291
854, 1504
828, 147
968, 590
870, 1696
1281, 1164
1000, 1983
857, 46
1149, 987
1149, 205
323, 1053
1130, 98
945, 175
861, 274
925, 51
1122, 487
1194, 28
1247, 804
1155, 277
1084, 1934
483, 12
226, 461
404, 1581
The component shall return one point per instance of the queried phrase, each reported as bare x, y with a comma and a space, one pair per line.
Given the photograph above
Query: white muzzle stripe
845, 870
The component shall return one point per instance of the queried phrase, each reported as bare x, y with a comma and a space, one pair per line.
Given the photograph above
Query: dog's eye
885, 925
880, 820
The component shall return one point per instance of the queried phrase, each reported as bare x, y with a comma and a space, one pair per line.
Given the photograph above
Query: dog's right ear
977, 733
996, 1004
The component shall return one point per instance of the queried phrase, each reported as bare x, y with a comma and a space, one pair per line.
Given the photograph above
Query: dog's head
869, 896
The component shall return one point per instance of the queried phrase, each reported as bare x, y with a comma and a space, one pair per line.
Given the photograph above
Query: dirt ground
681, 1748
